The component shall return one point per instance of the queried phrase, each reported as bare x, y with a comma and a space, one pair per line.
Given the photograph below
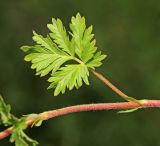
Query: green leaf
37, 119
52, 54
19, 137
69, 77
5, 115
128, 111
78, 27
96, 61
82, 37
60, 36
45, 61
47, 43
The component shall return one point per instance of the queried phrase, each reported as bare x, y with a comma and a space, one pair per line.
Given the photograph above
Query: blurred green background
128, 31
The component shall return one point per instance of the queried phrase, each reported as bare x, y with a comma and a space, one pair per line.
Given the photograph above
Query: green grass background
128, 31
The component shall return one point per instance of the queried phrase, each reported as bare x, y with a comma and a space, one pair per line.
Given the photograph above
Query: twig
86, 107
109, 84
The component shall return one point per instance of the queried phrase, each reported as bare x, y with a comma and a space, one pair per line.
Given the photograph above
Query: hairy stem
85, 107
109, 84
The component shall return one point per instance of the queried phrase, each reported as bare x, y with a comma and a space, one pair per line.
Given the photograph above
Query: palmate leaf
52, 53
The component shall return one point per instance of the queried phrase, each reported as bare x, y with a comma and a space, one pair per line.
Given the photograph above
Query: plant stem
109, 84
85, 107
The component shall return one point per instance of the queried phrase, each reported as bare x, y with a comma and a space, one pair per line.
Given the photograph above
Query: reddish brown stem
86, 107
108, 83
5, 133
